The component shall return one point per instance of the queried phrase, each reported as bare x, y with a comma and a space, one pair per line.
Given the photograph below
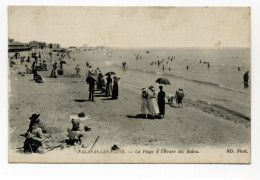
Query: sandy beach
196, 125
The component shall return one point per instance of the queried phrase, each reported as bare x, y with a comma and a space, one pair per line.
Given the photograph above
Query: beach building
72, 48
37, 44
54, 46
15, 46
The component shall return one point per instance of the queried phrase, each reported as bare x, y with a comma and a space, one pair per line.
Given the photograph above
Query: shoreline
184, 127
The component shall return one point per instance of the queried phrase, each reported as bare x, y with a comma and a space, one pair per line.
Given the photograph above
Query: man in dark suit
91, 81
161, 101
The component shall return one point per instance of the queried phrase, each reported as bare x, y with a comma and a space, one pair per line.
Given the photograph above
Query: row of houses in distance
85, 47
17, 46
14, 46
41, 45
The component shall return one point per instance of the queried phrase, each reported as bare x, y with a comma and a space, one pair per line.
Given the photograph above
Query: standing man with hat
91, 81
161, 101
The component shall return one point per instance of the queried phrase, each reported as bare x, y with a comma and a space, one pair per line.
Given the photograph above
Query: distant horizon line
180, 47
142, 47
177, 47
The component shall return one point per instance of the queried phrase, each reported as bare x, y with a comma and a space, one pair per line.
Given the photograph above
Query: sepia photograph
89, 84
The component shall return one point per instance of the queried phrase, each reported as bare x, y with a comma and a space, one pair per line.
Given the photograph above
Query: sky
131, 26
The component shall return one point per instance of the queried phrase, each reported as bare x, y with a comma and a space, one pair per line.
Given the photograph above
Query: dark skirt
108, 89
161, 105
53, 73
179, 100
115, 91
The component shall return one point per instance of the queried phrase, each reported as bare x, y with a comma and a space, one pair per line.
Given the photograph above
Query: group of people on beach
39, 140
55, 71
96, 81
153, 103
38, 64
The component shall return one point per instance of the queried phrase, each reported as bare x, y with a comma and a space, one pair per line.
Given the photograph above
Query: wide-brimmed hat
34, 117
82, 114
144, 89
151, 88
81, 117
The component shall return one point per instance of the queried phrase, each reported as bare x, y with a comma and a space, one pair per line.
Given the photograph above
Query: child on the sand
77, 68
179, 96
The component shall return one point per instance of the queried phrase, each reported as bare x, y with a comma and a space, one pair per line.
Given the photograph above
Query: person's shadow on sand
99, 95
174, 106
142, 116
81, 100
108, 99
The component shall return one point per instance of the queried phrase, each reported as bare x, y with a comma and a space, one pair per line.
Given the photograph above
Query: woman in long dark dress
99, 81
115, 88
108, 86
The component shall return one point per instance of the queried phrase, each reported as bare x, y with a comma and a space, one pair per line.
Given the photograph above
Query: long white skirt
144, 106
153, 106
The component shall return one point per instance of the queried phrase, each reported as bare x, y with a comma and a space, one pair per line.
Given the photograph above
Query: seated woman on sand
37, 138
77, 131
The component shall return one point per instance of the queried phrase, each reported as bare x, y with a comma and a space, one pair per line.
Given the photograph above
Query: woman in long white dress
152, 102
144, 102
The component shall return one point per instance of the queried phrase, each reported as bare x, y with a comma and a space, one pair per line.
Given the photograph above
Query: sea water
220, 84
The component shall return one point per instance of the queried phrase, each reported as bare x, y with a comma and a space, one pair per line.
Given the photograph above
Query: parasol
163, 81
63, 62
111, 73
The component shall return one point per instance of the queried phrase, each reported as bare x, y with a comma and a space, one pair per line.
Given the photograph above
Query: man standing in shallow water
246, 78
